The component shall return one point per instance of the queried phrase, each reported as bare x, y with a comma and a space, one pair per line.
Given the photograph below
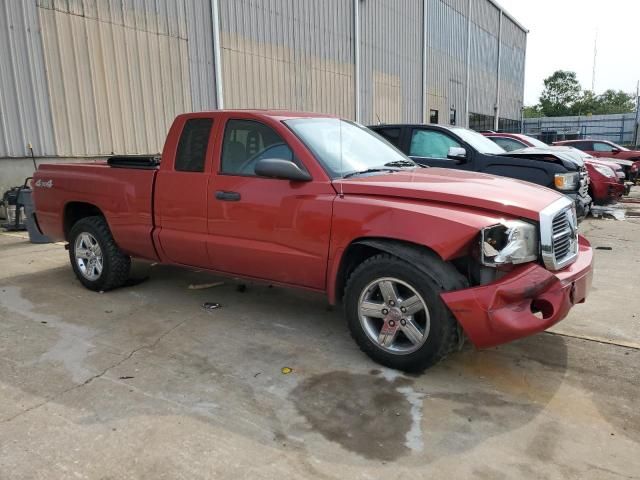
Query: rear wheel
395, 313
95, 258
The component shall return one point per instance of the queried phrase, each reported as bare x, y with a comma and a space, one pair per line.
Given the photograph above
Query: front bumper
503, 311
582, 203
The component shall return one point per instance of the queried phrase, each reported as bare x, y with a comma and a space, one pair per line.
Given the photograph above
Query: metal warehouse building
87, 78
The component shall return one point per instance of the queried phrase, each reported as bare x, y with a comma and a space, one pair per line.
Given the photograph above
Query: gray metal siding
25, 115
512, 69
291, 54
82, 78
200, 45
118, 73
446, 58
391, 68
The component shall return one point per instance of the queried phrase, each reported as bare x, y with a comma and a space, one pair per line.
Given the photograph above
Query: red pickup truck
419, 256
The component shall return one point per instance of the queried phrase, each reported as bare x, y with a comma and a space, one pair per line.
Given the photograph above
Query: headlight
509, 242
606, 171
567, 181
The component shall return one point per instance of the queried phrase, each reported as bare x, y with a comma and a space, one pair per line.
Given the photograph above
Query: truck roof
276, 114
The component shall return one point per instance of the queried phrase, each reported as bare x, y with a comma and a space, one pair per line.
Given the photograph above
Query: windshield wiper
401, 163
368, 170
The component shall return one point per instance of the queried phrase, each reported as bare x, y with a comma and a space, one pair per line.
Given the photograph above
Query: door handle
227, 196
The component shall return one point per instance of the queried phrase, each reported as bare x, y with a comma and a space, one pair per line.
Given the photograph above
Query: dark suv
464, 149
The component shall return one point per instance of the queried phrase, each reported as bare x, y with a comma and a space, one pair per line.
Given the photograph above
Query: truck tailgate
124, 196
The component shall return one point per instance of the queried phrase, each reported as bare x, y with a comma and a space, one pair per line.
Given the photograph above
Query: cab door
181, 201
266, 228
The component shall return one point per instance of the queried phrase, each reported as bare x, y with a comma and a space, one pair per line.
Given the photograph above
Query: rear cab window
390, 134
193, 144
509, 144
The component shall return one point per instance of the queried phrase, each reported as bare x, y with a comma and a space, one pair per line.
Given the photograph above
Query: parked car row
607, 176
420, 257
463, 149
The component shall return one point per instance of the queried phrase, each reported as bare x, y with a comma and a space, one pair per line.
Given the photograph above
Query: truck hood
469, 189
548, 154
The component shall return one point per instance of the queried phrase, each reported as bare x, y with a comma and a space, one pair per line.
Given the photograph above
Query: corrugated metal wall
485, 25
82, 78
25, 115
92, 77
447, 58
391, 61
288, 54
514, 44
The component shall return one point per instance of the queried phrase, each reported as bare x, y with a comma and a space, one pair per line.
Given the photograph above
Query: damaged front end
526, 277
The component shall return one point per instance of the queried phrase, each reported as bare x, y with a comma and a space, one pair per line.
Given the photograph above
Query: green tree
612, 101
561, 91
587, 104
532, 112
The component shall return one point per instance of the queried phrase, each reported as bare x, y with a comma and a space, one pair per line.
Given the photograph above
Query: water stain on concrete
365, 414
74, 341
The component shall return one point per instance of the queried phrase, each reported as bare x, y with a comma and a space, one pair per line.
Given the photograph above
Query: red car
605, 148
418, 256
606, 178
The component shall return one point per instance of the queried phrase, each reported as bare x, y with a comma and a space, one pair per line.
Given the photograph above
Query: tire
92, 234
439, 327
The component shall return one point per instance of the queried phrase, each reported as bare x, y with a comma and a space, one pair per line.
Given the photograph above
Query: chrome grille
584, 182
559, 234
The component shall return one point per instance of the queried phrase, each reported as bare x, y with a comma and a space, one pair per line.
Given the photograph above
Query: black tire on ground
443, 337
116, 265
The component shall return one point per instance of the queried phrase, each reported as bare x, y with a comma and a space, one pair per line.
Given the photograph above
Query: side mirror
280, 168
615, 151
457, 153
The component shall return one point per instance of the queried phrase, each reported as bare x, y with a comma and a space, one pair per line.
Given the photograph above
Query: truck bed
123, 194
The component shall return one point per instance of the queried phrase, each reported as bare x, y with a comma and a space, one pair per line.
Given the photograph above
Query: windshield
533, 141
478, 141
344, 147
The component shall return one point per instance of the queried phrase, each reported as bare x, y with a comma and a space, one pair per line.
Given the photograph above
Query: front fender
448, 230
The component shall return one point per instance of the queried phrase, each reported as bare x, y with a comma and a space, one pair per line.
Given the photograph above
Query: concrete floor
143, 383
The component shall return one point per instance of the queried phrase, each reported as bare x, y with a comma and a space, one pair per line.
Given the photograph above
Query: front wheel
395, 313
95, 258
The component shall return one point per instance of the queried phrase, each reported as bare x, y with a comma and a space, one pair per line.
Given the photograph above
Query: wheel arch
74, 211
362, 248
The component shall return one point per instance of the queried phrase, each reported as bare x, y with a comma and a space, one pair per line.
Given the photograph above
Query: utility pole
635, 137
595, 53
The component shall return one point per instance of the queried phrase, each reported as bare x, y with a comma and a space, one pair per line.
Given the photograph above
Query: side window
431, 144
192, 146
602, 147
585, 146
246, 142
509, 144
391, 135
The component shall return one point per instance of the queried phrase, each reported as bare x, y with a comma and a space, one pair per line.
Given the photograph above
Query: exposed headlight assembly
511, 242
567, 181
606, 171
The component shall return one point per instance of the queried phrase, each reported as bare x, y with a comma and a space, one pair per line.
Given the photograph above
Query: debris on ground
286, 370
126, 377
202, 286
210, 306
604, 248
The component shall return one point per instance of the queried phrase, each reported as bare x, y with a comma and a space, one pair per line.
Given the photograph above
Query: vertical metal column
496, 120
217, 62
425, 109
356, 55
466, 98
